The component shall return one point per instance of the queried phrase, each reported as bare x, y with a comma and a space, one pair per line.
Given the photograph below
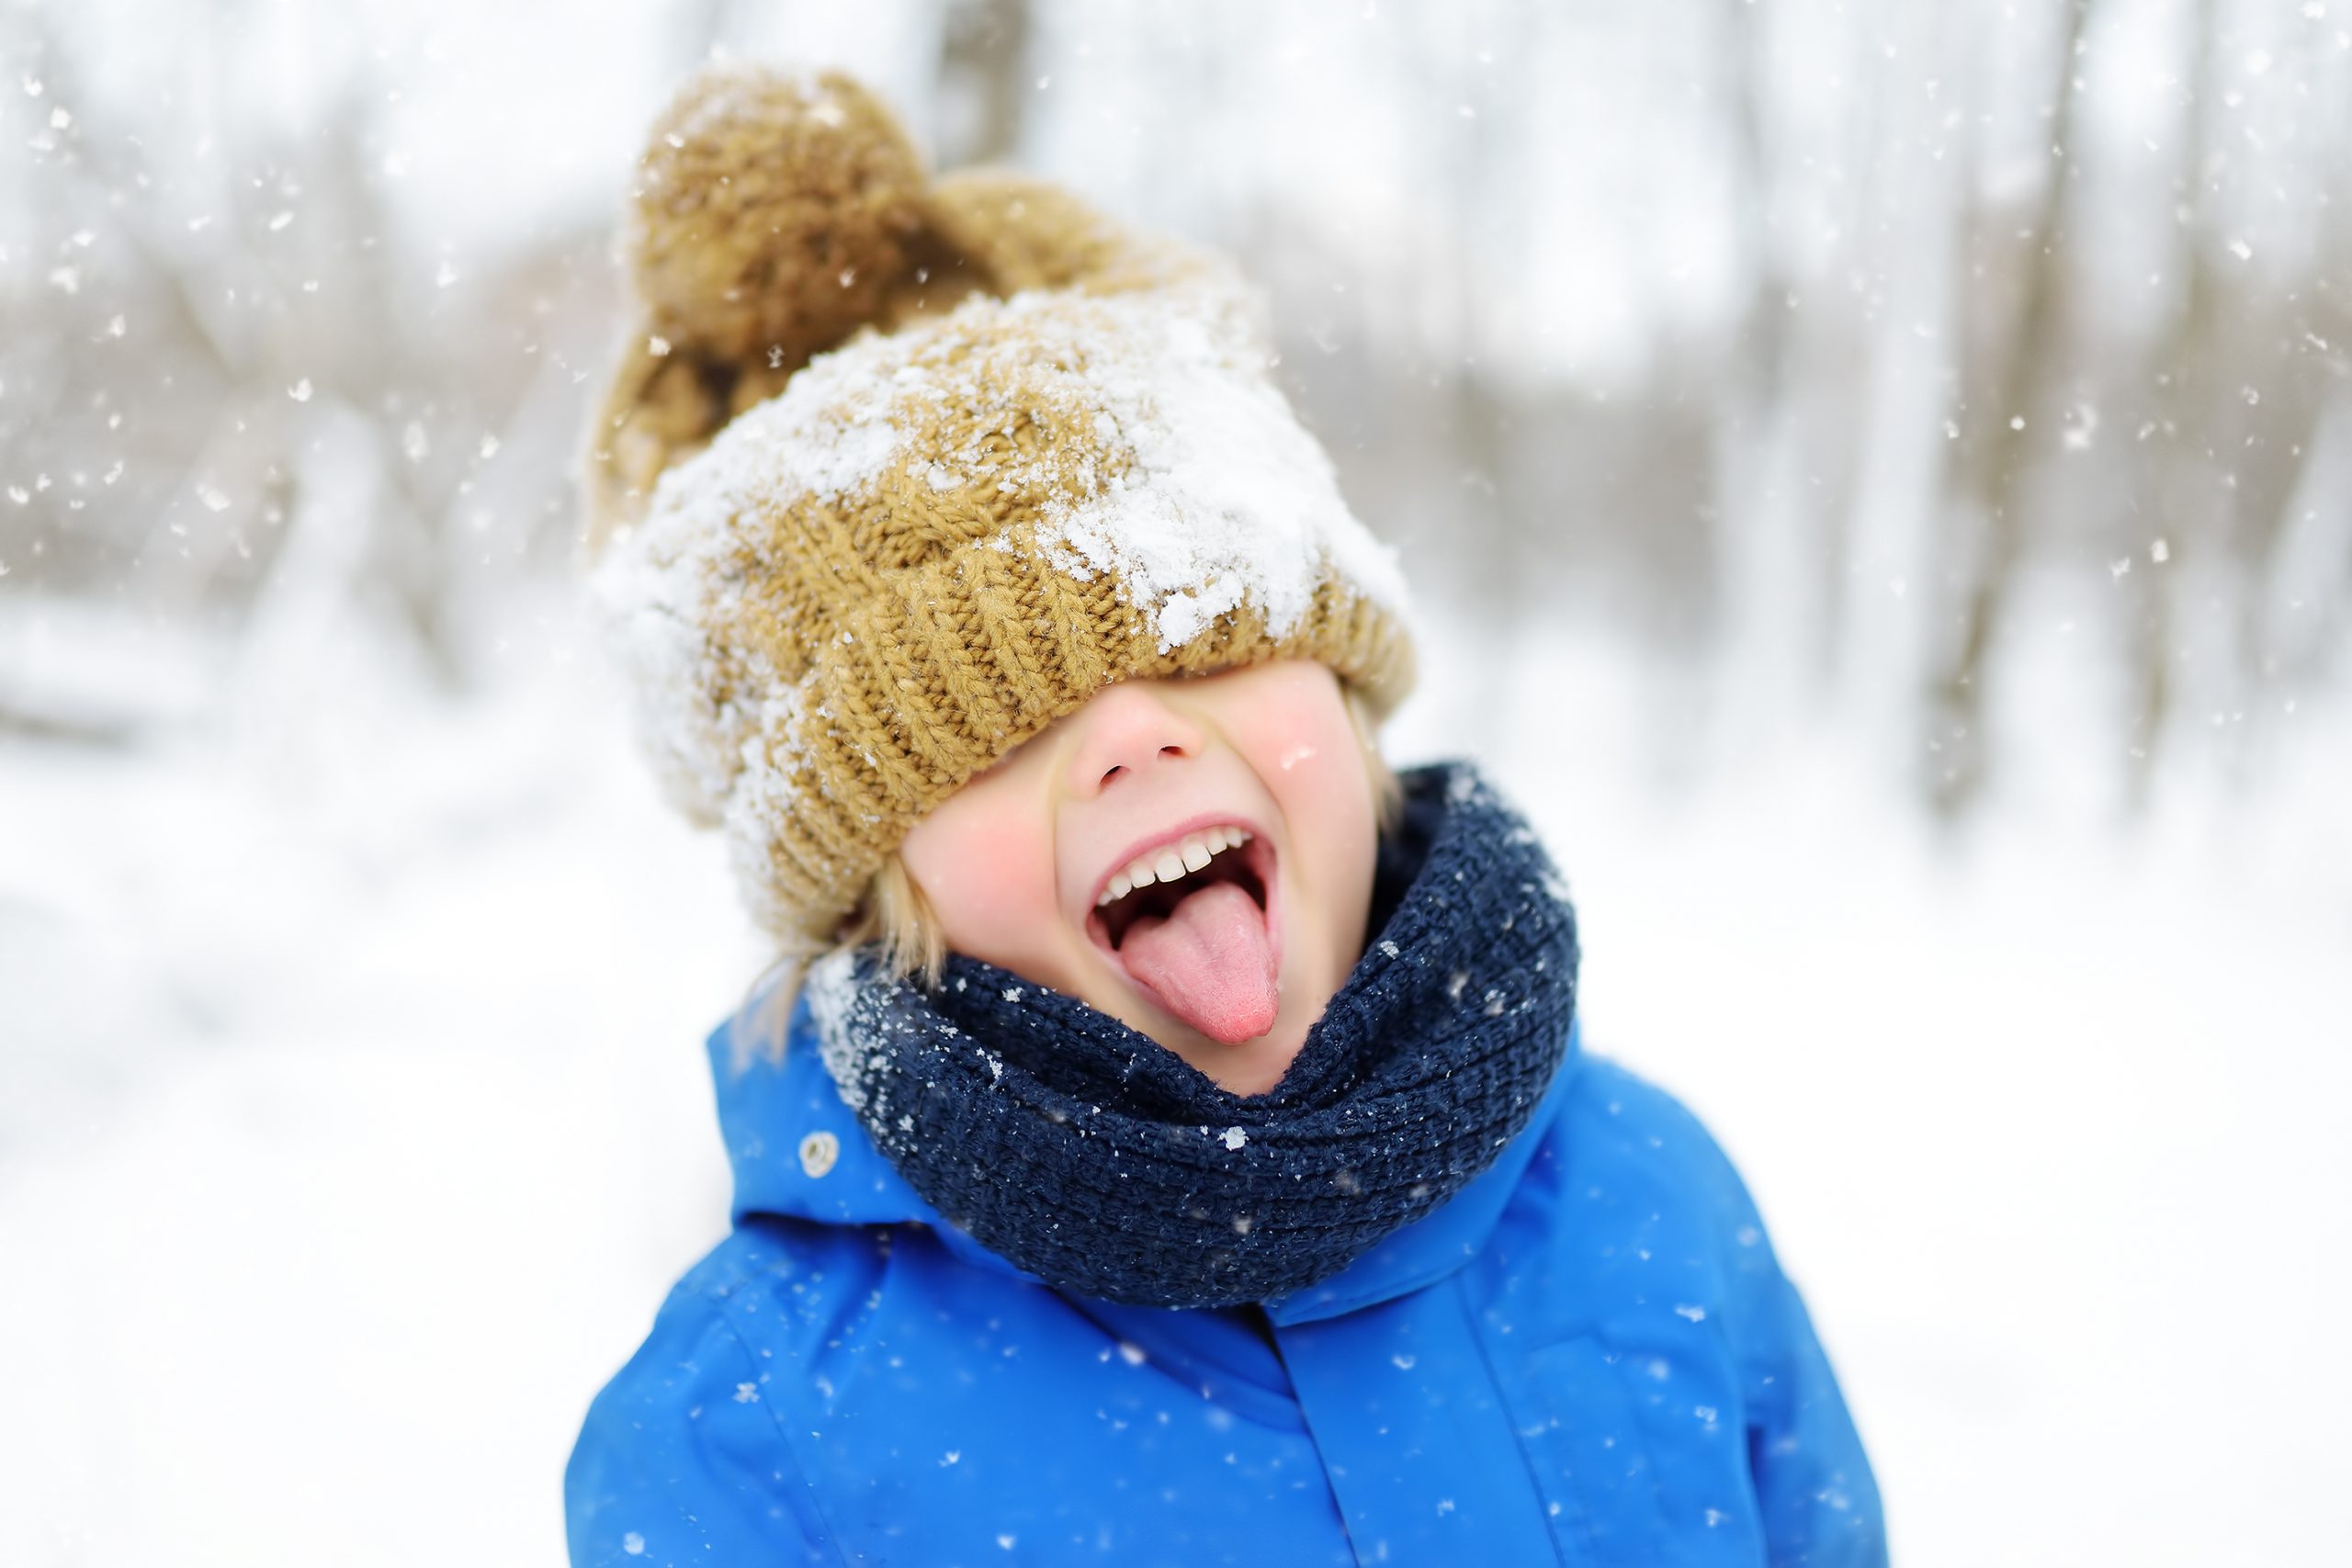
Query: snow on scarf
1102, 1163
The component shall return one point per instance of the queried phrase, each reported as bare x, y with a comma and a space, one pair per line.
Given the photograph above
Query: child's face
1226, 964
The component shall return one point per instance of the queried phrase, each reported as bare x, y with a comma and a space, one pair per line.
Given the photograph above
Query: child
1180, 1149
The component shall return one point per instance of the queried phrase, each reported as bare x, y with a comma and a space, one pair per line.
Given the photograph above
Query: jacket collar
798, 1151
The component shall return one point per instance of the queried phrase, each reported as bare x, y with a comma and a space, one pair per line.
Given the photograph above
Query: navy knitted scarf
1102, 1163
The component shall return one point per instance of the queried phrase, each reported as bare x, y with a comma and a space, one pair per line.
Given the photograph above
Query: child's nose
1128, 729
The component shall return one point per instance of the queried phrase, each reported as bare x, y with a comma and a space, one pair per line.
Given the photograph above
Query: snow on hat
895, 472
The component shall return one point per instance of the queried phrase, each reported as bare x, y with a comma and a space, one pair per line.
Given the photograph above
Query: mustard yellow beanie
895, 471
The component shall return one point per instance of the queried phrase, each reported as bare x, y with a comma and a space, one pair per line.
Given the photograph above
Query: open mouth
1189, 919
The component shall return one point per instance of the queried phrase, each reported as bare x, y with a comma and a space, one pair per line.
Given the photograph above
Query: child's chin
1252, 1068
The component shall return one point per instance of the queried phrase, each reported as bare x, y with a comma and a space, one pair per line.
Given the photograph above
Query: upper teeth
1188, 853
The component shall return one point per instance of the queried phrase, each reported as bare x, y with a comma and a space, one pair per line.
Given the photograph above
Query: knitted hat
895, 472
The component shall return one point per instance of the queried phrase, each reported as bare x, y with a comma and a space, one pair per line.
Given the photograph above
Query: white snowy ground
353, 1118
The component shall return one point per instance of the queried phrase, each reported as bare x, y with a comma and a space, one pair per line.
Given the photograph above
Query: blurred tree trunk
1488, 416
2168, 479
1756, 431
2003, 389
983, 80
2297, 350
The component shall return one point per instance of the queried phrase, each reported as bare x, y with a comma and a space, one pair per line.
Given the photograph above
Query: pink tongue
1209, 963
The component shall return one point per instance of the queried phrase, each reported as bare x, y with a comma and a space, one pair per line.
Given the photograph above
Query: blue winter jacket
1589, 1356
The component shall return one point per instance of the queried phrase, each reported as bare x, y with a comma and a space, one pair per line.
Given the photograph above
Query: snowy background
1879, 480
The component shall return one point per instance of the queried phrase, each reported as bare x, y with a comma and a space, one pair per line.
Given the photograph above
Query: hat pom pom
774, 214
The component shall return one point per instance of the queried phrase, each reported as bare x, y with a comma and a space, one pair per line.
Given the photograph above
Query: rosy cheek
1299, 737
999, 879
1297, 733
987, 881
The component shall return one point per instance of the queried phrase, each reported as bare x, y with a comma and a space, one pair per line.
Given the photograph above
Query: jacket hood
798, 1151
